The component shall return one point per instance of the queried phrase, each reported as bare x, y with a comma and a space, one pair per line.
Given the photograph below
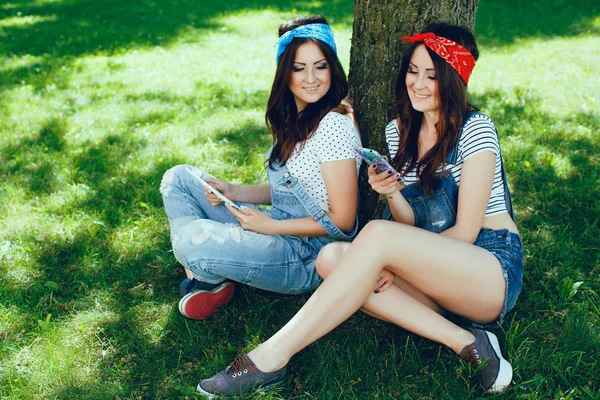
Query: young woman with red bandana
447, 265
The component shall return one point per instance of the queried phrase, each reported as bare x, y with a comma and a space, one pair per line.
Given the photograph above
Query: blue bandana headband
320, 32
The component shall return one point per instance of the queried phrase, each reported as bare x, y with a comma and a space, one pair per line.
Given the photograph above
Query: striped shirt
478, 134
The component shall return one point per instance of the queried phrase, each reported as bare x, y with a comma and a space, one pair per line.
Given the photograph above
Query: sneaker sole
505, 372
208, 395
202, 304
211, 396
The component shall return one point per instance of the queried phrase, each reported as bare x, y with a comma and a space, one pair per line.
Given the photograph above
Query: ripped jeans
209, 241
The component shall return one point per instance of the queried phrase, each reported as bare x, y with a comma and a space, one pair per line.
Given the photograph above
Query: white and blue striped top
478, 134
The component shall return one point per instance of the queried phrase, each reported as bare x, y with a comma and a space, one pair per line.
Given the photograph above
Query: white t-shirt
479, 134
335, 139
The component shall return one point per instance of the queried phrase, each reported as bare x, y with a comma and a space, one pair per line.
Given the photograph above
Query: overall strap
452, 156
507, 196
315, 211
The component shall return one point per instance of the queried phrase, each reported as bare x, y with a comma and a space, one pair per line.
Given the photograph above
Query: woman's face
311, 76
421, 82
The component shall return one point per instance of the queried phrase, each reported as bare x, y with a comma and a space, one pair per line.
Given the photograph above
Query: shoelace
471, 355
240, 365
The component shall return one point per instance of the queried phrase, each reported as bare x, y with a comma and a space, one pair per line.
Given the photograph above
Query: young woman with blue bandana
312, 170
448, 264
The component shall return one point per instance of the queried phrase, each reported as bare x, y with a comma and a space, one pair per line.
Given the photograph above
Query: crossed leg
331, 255
454, 275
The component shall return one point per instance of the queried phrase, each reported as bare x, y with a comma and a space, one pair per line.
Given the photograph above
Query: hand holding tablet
211, 189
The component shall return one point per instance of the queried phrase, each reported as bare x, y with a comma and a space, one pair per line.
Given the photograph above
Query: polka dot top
335, 139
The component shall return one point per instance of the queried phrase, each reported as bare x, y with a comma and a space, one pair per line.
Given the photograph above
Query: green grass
99, 98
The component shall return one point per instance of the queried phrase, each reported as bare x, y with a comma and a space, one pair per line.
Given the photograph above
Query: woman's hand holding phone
384, 183
383, 178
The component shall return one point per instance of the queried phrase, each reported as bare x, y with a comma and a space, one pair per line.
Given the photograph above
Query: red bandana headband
456, 55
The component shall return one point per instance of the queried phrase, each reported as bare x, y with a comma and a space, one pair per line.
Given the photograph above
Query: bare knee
375, 231
329, 257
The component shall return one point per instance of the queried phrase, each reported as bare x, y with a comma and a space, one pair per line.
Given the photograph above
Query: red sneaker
202, 304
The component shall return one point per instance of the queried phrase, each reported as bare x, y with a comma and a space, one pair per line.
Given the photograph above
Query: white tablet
211, 189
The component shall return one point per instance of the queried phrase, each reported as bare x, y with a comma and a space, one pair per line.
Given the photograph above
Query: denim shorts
506, 246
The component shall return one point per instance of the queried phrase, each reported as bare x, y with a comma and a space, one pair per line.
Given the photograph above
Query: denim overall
436, 212
210, 242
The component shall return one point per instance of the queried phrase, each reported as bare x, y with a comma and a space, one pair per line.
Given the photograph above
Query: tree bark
375, 59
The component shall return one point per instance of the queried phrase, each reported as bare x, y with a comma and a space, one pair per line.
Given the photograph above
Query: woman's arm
476, 183
400, 208
341, 183
255, 194
388, 185
333, 146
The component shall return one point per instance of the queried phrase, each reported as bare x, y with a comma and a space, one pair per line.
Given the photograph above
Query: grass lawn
99, 98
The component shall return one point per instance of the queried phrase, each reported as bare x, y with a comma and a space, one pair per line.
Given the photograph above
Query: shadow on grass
247, 141
552, 164
556, 207
60, 32
213, 95
32, 160
553, 168
505, 21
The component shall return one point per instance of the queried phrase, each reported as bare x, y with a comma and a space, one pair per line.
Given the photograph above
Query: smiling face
421, 82
311, 76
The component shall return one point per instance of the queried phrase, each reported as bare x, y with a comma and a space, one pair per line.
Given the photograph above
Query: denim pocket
282, 190
434, 213
282, 196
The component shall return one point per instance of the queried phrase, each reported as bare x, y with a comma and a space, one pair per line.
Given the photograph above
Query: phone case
373, 157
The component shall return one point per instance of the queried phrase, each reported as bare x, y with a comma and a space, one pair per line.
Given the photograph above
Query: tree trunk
375, 60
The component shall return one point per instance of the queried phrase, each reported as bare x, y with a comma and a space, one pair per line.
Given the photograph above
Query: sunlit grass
558, 73
101, 98
24, 20
70, 353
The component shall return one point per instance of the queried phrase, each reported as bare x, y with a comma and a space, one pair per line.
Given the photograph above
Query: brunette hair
287, 125
453, 108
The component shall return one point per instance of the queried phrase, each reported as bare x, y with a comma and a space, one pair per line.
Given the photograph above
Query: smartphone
373, 157
211, 189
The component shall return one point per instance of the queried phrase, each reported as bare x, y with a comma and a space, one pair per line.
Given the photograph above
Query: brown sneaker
240, 377
492, 370
201, 304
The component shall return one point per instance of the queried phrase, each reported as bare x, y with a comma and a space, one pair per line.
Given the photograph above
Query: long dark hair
287, 126
453, 108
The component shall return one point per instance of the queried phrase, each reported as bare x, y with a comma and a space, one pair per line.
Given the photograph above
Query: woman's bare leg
458, 276
383, 305
331, 255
